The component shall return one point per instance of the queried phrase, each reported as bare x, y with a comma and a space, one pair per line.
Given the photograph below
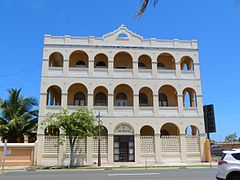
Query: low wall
230, 145
21, 154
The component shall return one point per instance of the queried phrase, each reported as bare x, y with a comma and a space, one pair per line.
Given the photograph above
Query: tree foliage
18, 116
231, 137
78, 124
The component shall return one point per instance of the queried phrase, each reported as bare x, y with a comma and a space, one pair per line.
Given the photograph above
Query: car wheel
235, 177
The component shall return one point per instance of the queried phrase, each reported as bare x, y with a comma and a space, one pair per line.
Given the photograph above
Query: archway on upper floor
56, 60
145, 97
192, 130
78, 59
123, 95
187, 63
101, 61
147, 131
51, 131
169, 129
123, 60
100, 96
189, 98
54, 96
77, 95
166, 61
167, 96
144, 62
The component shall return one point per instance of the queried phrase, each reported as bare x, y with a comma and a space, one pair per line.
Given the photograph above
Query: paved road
161, 174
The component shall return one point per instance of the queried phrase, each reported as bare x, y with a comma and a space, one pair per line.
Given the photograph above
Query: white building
148, 92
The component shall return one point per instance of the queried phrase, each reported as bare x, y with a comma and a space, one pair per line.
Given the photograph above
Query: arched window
141, 65
163, 100
51, 131
121, 99
160, 66
101, 98
81, 64
143, 99
101, 64
79, 99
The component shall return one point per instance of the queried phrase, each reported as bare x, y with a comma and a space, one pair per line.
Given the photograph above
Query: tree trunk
72, 143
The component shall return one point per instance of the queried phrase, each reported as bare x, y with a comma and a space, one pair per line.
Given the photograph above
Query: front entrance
124, 148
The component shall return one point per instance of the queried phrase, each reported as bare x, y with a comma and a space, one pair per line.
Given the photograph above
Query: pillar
25, 138
183, 148
156, 105
110, 68
89, 150
178, 70
90, 68
202, 143
157, 148
60, 151
137, 147
180, 104
154, 70
136, 104
135, 68
65, 67
64, 102
110, 148
90, 101
110, 104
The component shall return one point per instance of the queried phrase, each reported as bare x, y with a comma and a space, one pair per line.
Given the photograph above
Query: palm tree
18, 116
144, 7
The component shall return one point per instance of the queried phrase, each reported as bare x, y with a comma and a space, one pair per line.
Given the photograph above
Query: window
101, 64
236, 156
79, 99
81, 64
163, 100
121, 99
143, 99
101, 98
141, 65
160, 66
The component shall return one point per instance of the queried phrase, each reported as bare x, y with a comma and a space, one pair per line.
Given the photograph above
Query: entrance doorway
124, 148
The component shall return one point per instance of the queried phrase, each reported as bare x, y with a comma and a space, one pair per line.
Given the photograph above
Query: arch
100, 96
145, 97
78, 59
77, 95
123, 95
122, 36
167, 96
54, 96
169, 129
56, 60
123, 129
187, 63
103, 130
192, 130
189, 98
51, 131
101, 61
123, 60
144, 62
166, 61
147, 131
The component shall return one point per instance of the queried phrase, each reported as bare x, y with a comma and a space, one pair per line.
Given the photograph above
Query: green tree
18, 116
231, 137
78, 124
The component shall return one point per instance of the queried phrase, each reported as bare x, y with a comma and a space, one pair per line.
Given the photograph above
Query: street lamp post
99, 140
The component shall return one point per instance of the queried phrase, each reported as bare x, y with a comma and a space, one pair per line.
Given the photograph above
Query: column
43, 103
202, 143
35, 160
90, 67
180, 104
196, 69
156, 104
110, 68
154, 70
183, 148
45, 66
89, 151
61, 151
199, 105
110, 148
65, 67
90, 100
136, 104
40, 138
25, 138
135, 68
178, 70
110, 104
157, 148
64, 100
137, 147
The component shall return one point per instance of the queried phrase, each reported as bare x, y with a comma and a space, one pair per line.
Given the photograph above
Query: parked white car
229, 165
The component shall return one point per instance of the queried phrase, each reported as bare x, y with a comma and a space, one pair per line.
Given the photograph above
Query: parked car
229, 165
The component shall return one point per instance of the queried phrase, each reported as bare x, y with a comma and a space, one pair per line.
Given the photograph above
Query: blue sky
215, 24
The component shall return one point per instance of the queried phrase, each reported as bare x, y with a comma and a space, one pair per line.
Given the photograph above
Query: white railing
123, 110
78, 71
146, 110
170, 144
50, 144
166, 73
168, 111
55, 71
147, 144
145, 73
53, 109
103, 143
123, 72
100, 72
190, 111
193, 144
189, 74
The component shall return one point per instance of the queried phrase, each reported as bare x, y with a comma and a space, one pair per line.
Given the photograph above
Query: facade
147, 91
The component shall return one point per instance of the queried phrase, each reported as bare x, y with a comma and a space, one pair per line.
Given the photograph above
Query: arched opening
101, 61
122, 36
56, 60
51, 131
166, 61
186, 63
147, 131
123, 60
145, 97
100, 96
192, 131
78, 59
77, 95
189, 98
144, 62
54, 95
167, 96
123, 95
32, 138
170, 129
